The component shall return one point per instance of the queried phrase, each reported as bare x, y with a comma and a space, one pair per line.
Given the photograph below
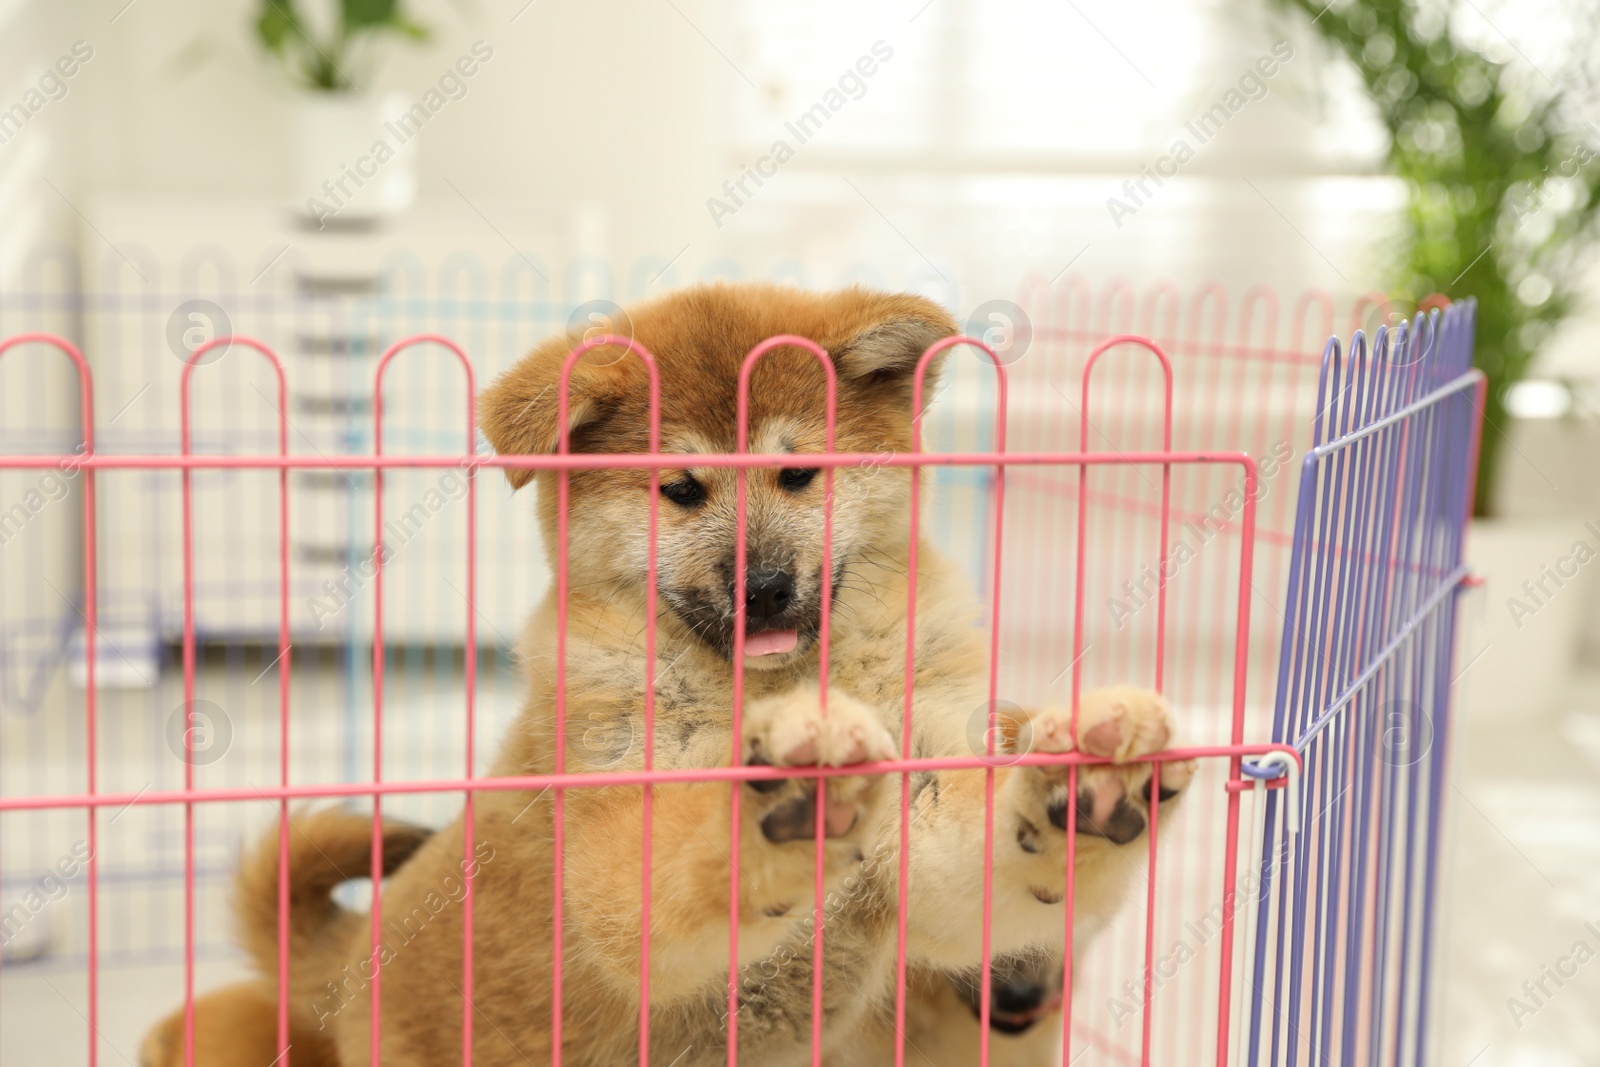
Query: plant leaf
359, 14
414, 30
276, 23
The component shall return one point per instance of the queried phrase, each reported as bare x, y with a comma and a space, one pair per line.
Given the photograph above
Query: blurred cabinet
167, 275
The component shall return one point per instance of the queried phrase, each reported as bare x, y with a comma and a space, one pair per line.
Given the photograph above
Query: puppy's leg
1025, 1013
1112, 809
236, 1026
691, 832
793, 730
942, 1021
1031, 814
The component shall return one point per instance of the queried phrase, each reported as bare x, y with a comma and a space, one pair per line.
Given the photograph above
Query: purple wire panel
1344, 899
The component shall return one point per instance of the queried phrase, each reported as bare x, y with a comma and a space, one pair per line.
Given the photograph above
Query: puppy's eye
686, 492
795, 479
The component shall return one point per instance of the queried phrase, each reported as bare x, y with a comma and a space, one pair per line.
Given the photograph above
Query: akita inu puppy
699, 338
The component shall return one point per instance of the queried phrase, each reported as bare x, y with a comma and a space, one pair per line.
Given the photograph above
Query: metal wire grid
1345, 913
1116, 459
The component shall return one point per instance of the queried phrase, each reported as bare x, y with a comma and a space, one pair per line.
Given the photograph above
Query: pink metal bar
470, 680
984, 992
919, 381
1146, 1013
1163, 294
1479, 397
1119, 528
563, 500
1078, 648
375, 1019
1375, 299
185, 382
563, 408
597, 779
651, 573
1122, 502
640, 461
1323, 302
1266, 353
1166, 491
746, 371
1215, 296
1241, 674
1069, 898
913, 557
1161, 629
91, 631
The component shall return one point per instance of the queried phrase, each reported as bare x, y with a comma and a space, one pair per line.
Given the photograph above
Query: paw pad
796, 819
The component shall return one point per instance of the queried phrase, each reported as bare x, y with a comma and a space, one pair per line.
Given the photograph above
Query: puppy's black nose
767, 593
1017, 997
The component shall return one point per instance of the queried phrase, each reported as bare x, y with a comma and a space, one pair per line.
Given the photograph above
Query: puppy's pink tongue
771, 643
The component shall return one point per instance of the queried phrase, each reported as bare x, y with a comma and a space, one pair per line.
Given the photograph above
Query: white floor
1524, 891
46, 1019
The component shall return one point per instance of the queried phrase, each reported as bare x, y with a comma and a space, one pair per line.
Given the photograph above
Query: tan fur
237, 1025
699, 338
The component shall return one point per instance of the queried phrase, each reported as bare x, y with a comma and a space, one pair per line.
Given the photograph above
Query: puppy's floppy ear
886, 349
519, 413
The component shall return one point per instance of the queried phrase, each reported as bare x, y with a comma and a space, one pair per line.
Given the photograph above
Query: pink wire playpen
1318, 492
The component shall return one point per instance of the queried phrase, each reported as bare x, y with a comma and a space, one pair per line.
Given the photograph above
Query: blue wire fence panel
1344, 901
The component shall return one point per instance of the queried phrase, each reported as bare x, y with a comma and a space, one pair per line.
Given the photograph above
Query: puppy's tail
326, 849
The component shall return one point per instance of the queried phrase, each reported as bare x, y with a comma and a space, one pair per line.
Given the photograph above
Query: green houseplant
327, 48
1502, 183
321, 60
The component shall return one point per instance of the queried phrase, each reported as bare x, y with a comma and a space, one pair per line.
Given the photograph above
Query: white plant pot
352, 162
1522, 630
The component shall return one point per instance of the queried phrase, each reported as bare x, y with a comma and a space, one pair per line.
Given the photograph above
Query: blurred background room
332, 177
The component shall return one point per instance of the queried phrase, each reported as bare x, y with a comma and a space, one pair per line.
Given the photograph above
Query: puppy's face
700, 338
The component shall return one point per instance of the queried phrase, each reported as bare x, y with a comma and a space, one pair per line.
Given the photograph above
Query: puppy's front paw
1119, 724
792, 731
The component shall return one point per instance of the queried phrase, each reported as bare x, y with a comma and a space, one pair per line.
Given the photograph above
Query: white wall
606, 101
645, 108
